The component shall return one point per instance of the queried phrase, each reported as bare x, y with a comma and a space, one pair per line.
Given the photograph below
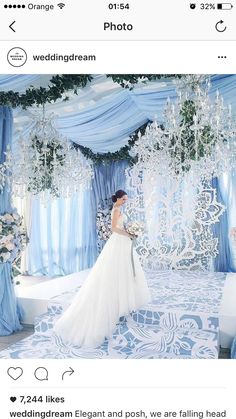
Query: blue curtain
223, 261
9, 314
63, 236
227, 185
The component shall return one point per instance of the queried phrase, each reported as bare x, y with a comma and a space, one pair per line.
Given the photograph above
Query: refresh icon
220, 27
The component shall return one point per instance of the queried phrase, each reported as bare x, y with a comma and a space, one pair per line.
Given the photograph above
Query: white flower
8, 217
9, 237
136, 228
10, 246
6, 256
21, 230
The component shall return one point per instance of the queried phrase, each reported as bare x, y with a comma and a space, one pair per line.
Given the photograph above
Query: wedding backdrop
68, 142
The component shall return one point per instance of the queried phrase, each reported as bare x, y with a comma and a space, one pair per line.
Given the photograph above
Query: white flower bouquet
136, 228
13, 237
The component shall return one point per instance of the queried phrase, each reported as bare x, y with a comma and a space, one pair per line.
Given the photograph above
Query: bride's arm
114, 227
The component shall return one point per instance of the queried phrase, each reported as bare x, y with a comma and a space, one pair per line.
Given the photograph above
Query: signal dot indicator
14, 6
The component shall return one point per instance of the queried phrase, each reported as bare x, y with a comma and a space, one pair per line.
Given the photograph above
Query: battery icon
224, 6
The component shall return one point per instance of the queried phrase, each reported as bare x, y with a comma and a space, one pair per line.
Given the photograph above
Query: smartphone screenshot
117, 209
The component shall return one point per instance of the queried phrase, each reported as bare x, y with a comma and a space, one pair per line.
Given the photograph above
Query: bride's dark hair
119, 194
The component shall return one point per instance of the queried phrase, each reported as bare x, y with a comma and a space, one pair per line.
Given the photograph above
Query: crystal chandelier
46, 164
197, 136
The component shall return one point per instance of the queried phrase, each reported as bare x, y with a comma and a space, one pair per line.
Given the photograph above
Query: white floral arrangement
104, 224
136, 228
13, 237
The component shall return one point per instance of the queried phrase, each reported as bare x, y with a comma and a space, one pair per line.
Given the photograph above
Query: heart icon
15, 373
13, 399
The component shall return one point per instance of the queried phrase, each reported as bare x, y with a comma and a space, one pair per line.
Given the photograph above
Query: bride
115, 286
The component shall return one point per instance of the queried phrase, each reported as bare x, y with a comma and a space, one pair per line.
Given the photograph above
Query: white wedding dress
110, 291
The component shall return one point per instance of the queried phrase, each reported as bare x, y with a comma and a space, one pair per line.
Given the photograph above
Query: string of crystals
46, 164
197, 135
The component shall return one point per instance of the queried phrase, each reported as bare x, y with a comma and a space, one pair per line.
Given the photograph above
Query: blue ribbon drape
9, 312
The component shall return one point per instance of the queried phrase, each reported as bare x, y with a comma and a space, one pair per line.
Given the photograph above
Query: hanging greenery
122, 154
60, 84
128, 81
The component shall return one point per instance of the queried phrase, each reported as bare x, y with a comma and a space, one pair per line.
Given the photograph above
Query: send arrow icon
11, 26
70, 372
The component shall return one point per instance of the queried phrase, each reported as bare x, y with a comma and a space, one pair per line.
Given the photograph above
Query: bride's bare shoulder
115, 210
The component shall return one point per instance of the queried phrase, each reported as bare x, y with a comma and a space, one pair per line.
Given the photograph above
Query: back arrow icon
70, 372
10, 26
218, 24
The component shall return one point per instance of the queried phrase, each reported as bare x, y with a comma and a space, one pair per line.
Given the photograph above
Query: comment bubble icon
41, 374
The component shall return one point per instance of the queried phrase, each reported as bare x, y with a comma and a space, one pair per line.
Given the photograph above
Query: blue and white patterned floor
181, 322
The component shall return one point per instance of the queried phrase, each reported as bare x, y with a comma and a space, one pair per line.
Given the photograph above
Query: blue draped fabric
106, 124
17, 82
63, 236
223, 261
9, 315
228, 190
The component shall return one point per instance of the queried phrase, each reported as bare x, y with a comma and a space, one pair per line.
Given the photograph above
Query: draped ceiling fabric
103, 114
9, 320
102, 117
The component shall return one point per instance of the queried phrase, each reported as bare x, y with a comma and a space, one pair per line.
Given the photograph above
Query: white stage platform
190, 316
35, 300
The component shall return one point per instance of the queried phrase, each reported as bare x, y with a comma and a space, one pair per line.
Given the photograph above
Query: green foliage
128, 81
60, 84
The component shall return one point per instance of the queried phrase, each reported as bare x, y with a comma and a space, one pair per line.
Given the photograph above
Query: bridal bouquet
136, 228
13, 237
